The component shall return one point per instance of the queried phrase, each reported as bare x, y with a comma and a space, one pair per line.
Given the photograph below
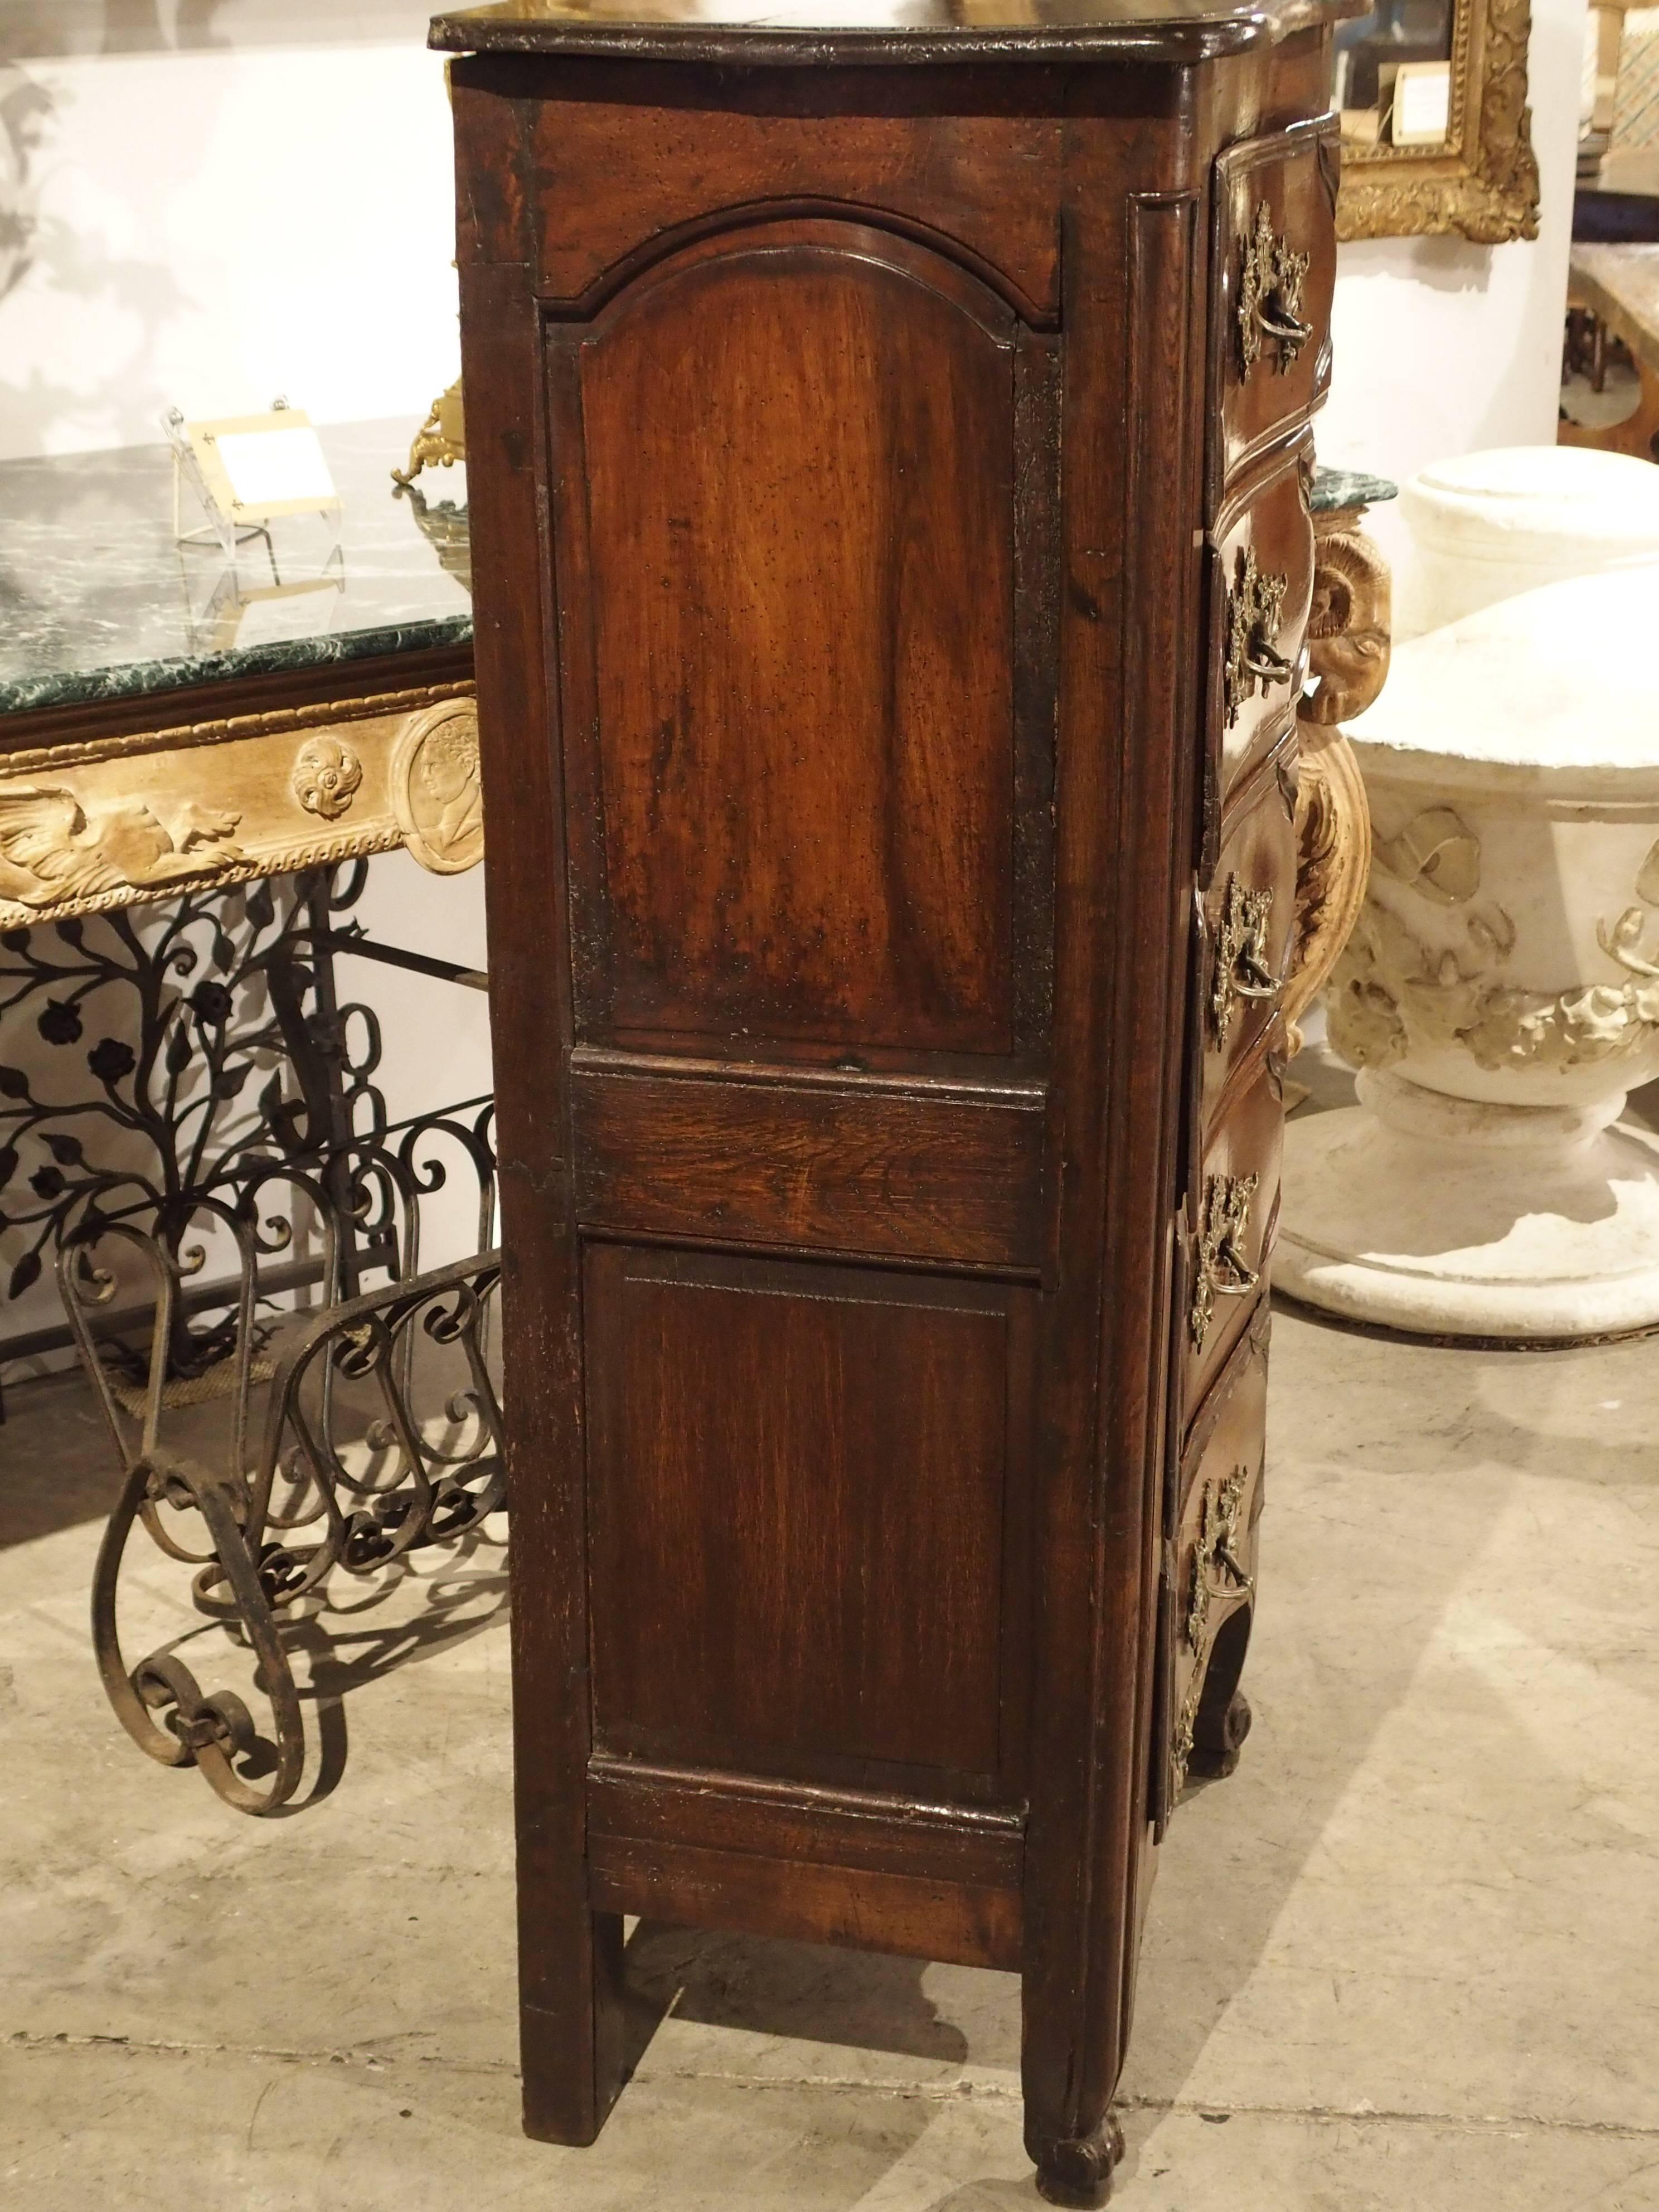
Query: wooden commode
889, 469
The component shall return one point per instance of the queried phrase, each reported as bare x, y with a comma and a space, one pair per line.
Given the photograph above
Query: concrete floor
1405, 1958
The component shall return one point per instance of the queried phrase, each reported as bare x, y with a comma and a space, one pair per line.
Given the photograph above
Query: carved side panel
790, 649
798, 1491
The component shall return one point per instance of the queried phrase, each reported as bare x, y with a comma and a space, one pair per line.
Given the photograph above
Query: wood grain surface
856, 468
798, 459
797, 1491
849, 1168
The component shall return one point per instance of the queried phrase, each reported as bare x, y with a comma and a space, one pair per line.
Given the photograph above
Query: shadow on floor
864, 2000
58, 1468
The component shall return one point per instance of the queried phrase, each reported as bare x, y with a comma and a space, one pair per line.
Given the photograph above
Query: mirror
1436, 129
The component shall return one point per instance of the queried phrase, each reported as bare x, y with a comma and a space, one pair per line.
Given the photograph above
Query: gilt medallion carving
326, 776
225, 802
436, 787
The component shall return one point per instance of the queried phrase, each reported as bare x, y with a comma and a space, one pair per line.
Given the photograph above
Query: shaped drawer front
1215, 1547
1249, 920
1235, 1205
1274, 273
1262, 554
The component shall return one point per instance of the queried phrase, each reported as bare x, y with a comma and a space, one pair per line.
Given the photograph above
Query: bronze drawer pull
1256, 606
1222, 1270
1270, 296
1240, 955
1217, 1554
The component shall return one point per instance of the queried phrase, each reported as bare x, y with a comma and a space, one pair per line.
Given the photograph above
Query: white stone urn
1487, 526
1500, 991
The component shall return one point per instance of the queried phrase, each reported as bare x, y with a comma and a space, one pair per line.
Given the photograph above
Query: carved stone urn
1500, 991
1510, 519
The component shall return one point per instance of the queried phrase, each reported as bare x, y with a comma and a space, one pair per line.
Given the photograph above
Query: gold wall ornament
1221, 1267
437, 790
1255, 604
1270, 297
1482, 183
326, 776
1241, 968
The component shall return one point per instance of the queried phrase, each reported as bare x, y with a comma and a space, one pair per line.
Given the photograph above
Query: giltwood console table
166, 725
170, 729
889, 446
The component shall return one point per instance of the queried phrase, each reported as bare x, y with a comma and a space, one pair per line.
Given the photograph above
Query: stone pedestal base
1443, 1217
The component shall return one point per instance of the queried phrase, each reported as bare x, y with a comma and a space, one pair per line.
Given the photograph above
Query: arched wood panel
789, 643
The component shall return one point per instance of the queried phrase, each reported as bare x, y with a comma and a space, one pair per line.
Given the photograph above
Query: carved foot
1216, 1742
1078, 2171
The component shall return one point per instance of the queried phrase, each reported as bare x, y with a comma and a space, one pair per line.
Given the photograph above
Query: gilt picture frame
1482, 183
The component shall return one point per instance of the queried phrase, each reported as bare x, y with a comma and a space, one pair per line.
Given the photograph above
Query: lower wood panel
844, 1166
807, 1494
982, 1847
920, 1916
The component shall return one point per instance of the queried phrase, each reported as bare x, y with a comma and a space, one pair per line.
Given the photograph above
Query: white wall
209, 202
228, 199
1441, 347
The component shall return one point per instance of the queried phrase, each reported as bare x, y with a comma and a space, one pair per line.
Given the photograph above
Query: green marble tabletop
1334, 489
98, 603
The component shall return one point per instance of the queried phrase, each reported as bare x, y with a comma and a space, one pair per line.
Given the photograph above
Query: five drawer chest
888, 458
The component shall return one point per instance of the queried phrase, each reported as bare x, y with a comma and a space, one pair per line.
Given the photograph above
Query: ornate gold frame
1483, 183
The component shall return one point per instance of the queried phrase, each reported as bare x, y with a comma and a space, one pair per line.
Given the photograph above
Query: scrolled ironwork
217, 1051
242, 1209
328, 1493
